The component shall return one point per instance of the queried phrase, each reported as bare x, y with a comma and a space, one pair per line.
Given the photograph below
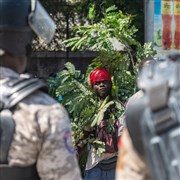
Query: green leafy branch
83, 105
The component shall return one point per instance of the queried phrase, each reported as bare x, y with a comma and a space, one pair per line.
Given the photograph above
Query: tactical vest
11, 93
153, 121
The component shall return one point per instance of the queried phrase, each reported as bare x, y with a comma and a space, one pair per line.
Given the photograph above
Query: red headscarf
99, 74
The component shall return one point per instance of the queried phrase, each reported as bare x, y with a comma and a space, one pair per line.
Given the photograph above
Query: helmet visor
41, 23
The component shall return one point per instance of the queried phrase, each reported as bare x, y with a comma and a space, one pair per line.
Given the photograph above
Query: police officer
36, 144
149, 147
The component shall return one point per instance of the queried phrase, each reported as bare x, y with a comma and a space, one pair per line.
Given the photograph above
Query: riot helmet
18, 19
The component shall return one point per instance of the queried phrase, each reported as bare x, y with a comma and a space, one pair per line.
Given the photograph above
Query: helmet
18, 18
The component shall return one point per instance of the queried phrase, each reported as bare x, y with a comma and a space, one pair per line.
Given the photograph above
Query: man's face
102, 88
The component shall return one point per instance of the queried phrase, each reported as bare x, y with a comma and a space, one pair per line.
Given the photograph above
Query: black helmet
17, 20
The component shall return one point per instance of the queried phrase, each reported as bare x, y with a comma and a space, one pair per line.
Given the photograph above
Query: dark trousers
98, 174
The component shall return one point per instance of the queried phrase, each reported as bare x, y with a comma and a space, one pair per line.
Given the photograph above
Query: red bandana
99, 75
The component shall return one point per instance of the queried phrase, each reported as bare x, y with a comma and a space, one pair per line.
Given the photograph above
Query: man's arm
57, 158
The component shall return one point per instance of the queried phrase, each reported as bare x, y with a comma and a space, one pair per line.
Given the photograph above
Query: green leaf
92, 12
111, 8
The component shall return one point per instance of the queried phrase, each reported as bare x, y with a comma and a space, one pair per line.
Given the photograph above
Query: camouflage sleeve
57, 159
122, 124
129, 165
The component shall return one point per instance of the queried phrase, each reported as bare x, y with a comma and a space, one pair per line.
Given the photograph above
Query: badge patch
68, 142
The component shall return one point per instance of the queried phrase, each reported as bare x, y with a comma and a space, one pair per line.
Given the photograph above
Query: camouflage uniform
130, 166
42, 136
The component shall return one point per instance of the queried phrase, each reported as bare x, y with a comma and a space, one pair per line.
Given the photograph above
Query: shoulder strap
6, 134
11, 93
19, 173
16, 90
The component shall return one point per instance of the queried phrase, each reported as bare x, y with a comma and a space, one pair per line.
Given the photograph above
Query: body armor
13, 92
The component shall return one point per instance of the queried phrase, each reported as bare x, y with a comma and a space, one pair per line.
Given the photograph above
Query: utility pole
149, 20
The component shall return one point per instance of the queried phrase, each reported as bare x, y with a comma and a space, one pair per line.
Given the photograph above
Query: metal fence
45, 64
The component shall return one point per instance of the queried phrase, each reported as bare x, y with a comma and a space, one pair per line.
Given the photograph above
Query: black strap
6, 134
18, 173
